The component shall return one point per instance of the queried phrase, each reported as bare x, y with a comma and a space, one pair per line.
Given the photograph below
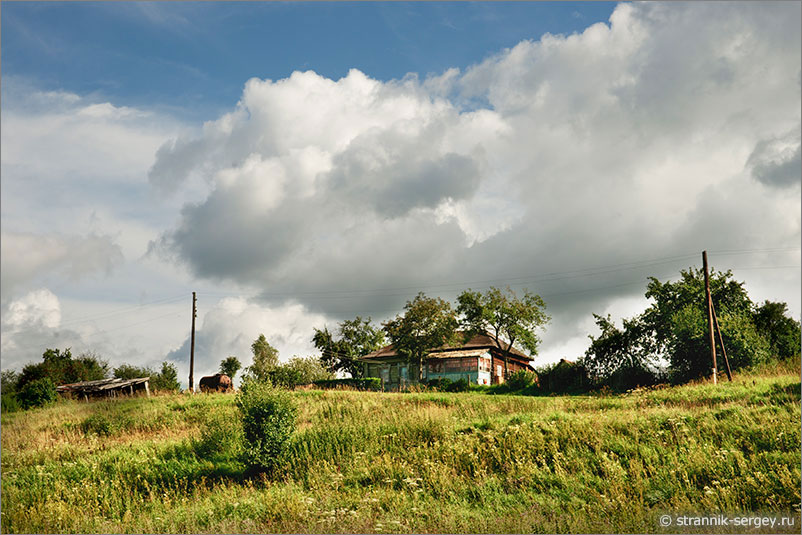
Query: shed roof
101, 385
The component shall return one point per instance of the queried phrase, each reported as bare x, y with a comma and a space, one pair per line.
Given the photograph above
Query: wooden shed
106, 387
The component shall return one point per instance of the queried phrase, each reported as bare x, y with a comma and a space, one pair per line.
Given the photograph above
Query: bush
460, 385
268, 421
37, 393
369, 383
219, 435
98, 424
521, 379
10, 403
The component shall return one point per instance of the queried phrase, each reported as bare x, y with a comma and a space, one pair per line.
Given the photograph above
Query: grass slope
428, 462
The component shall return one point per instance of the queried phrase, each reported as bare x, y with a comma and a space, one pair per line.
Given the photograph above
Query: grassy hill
427, 462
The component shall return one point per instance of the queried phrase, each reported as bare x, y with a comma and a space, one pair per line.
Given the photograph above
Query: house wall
475, 370
395, 374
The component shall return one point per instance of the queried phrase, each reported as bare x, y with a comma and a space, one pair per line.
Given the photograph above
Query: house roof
476, 342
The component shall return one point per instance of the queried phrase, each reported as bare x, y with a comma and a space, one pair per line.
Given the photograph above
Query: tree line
36, 384
668, 342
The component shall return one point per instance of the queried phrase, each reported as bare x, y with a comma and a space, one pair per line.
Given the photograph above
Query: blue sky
195, 56
276, 159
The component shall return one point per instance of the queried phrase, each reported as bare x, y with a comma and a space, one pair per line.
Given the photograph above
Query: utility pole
709, 301
192, 348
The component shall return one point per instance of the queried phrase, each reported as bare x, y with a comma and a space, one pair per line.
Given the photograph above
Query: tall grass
420, 462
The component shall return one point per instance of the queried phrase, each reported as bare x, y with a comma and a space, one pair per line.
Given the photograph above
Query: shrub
460, 385
37, 393
268, 421
369, 383
219, 435
10, 403
439, 383
98, 424
521, 379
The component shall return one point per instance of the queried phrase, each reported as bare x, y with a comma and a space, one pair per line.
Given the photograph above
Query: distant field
428, 462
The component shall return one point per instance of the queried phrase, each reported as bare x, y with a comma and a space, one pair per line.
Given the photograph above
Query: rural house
478, 360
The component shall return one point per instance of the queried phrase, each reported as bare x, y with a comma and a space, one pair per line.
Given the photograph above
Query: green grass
421, 462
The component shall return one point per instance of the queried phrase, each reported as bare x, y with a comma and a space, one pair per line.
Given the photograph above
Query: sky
298, 164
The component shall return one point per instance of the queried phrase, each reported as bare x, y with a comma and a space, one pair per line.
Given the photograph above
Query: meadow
412, 462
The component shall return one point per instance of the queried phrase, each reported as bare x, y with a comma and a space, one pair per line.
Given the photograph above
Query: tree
265, 358
8, 381
427, 323
357, 338
505, 317
61, 368
674, 329
781, 332
166, 379
230, 366
127, 371
37, 393
298, 371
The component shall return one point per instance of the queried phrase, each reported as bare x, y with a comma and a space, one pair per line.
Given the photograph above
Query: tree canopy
673, 331
427, 323
61, 368
230, 366
507, 318
356, 338
265, 358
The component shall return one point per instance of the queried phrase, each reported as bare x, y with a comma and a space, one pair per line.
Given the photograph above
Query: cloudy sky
300, 164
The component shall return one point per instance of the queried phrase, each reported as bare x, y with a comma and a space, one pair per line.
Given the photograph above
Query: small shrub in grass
460, 385
10, 403
268, 420
219, 435
37, 393
441, 384
98, 424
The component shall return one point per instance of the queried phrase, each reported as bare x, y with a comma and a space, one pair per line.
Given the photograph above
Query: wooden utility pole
192, 348
709, 301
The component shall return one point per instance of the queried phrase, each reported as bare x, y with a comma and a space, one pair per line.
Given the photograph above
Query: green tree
781, 331
61, 368
127, 371
505, 317
37, 393
427, 323
230, 366
166, 379
357, 338
8, 381
674, 329
265, 359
